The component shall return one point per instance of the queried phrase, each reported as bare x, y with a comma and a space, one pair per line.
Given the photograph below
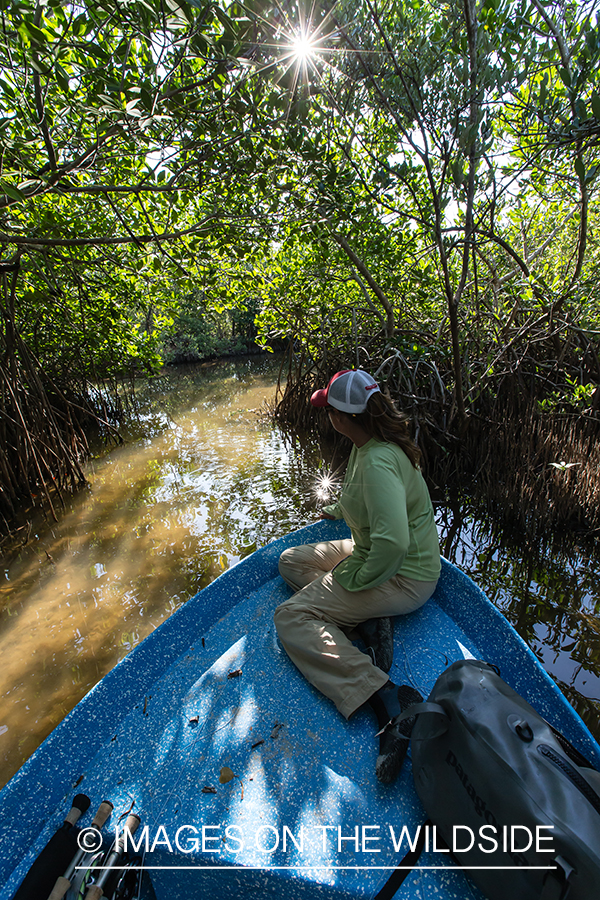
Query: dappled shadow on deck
233, 739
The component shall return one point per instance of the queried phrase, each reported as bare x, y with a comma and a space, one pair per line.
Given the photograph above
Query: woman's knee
299, 566
285, 617
286, 561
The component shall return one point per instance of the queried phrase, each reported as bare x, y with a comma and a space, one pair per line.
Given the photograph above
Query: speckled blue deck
212, 688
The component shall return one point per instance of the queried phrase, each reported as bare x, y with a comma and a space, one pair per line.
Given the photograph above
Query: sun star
303, 46
324, 486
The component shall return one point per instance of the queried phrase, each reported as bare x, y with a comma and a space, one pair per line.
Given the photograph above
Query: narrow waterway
202, 480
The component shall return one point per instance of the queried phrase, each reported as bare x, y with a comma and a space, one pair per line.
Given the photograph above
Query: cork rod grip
60, 888
94, 893
104, 811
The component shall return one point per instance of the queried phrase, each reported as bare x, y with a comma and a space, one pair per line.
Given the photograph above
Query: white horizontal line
327, 868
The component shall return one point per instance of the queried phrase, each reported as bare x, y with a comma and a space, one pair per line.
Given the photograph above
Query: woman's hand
325, 515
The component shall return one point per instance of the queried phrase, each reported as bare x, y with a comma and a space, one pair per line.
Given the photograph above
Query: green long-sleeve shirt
387, 506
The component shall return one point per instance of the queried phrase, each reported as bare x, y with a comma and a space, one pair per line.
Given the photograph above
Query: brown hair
382, 421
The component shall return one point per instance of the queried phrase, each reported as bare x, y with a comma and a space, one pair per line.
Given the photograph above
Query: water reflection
200, 483
550, 594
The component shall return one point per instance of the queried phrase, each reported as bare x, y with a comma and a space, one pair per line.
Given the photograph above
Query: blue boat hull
246, 778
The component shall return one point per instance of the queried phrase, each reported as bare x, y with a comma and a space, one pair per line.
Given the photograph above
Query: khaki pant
314, 624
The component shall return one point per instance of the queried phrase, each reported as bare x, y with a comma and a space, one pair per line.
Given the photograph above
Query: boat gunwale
87, 727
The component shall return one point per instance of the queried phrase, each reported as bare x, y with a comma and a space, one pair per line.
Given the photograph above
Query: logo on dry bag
478, 802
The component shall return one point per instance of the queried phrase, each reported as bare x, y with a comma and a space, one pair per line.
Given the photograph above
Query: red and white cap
348, 391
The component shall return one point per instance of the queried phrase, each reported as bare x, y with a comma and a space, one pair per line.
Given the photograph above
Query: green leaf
178, 10
224, 19
591, 173
580, 168
61, 77
565, 77
33, 32
458, 175
596, 105
98, 52
11, 191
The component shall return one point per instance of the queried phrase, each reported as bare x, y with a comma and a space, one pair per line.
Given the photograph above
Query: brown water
202, 481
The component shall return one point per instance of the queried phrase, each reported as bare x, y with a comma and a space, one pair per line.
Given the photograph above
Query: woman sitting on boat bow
390, 566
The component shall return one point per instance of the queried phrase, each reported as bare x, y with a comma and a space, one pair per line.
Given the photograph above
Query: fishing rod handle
131, 825
96, 890
80, 805
63, 882
104, 811
61, 886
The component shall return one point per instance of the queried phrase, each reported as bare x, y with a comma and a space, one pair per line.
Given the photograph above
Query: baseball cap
348, 391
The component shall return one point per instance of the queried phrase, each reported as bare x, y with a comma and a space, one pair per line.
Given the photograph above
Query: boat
244, 777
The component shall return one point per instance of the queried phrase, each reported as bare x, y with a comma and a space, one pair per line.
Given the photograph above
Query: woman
390, 567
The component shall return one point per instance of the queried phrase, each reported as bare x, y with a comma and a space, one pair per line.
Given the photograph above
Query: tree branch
357, 261
33, 242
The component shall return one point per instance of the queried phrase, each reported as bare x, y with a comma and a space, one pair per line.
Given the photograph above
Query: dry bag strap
404, 868
556, 883
415, 710
418, 708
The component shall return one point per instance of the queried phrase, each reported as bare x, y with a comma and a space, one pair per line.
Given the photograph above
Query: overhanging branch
32, 242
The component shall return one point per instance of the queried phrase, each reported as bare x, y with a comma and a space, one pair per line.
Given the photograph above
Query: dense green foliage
199, 331
463, 149
416, 184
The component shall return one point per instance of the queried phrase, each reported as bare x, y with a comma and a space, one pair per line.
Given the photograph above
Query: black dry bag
505, 790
